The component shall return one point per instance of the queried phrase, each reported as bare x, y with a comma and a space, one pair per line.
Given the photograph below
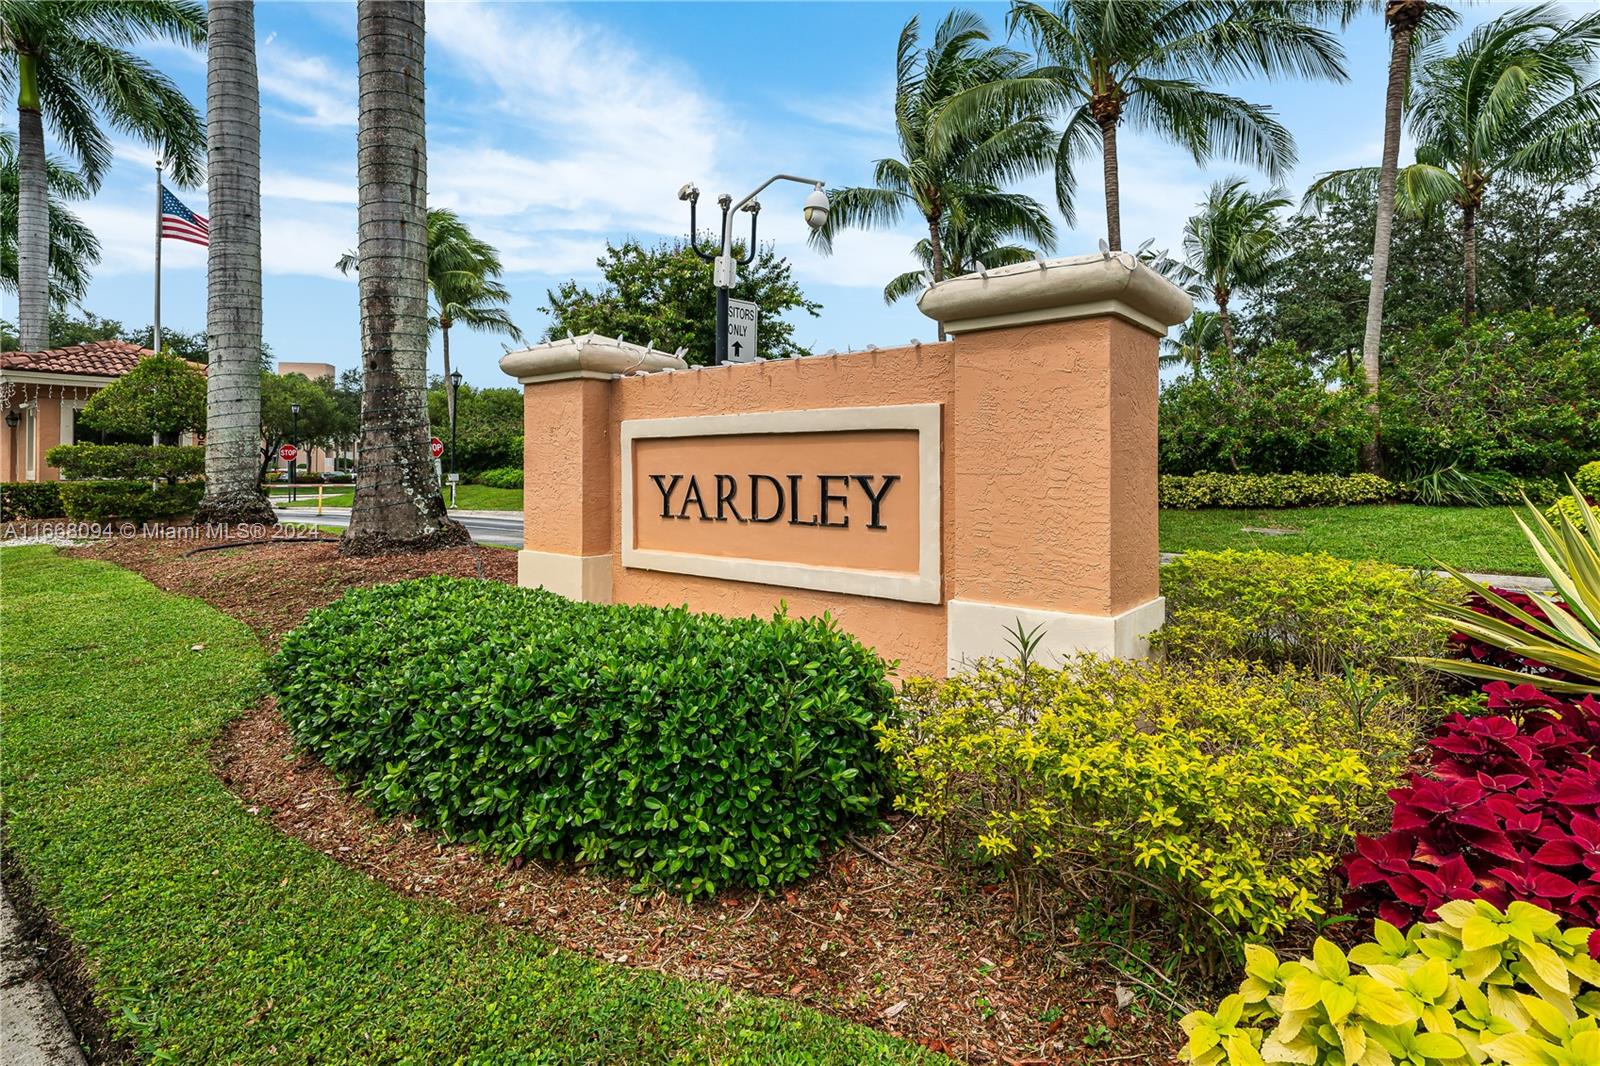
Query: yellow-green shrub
1566, 507
1215, 798
1314, 611
1477, 986
1587, 479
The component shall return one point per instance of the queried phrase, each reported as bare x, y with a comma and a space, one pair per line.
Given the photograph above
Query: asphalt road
487, 527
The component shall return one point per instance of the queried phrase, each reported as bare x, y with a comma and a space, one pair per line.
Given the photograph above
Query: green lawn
1480, 539
468, 497
212, 938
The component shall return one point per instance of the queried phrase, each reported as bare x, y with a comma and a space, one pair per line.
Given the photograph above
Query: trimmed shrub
1208, 489
1480, 985
1314, 611
1270, 414
1587, 480
1513, 392
1511, 811
30, 499
1214, 798
501, 477
133, 501
1567, 508
683, 750
128, 462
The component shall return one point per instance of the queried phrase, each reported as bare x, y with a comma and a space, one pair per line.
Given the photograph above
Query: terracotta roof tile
99, 358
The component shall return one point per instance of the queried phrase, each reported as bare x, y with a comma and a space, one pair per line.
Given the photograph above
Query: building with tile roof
42, 393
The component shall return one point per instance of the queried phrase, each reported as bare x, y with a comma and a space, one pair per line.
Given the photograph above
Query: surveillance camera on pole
725, 267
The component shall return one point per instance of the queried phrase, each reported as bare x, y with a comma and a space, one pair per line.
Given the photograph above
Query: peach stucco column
566, 457
1053, 510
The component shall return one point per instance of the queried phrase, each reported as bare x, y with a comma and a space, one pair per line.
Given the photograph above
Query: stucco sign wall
930, 499
838, 500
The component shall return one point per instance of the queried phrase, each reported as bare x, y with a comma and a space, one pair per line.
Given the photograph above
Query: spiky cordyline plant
1568, 638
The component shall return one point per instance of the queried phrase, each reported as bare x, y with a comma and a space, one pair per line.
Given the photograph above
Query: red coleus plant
1469, 647
1511, 811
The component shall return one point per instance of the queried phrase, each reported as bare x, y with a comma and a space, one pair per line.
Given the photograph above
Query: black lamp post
294, 412
455, 387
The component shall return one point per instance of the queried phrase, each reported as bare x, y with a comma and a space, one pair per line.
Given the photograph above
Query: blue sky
553, 128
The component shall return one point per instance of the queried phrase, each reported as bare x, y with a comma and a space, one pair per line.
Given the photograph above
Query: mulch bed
888, 934
270, 585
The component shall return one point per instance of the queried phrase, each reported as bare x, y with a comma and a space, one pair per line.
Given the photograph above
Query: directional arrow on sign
737, 345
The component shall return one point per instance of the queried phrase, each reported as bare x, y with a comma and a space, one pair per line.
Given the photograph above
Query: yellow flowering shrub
1214, 797
1479, 986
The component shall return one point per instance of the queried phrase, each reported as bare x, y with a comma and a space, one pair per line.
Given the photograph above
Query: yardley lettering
817, 500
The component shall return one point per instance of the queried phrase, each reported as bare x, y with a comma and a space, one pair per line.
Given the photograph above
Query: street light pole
725, 268
455, 385
294, 413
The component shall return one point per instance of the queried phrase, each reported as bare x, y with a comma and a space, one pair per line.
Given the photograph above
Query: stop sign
288, 453
436, 447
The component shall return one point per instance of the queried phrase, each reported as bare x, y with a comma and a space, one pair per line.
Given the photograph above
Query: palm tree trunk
233, 275
449, 393
1108, 147
1469, 257
33, 215
936, 257
398, 506
1223, 319
1403, 22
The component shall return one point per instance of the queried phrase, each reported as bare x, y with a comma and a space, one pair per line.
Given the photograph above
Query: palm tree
233, 276
397, 506
951, 168
977, 235
1516, 98
463, 281
1232, 244
66, 61
74, 249
1404, 18
1196, 341
1106, 62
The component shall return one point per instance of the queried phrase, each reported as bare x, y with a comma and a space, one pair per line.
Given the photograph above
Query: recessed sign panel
845, 500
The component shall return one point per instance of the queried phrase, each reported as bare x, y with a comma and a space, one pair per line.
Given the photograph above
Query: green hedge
132, 501
128, 462
1325, 614
30, 499
1275, 490
691, 751
501, 477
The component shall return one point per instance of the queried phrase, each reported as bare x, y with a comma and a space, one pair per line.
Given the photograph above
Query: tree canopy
162, 395
663, 295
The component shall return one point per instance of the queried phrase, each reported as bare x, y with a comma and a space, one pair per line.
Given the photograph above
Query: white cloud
306, 240
319, 92
291, 186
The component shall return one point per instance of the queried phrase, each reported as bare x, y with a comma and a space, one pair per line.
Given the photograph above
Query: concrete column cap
588, 356
1078, 286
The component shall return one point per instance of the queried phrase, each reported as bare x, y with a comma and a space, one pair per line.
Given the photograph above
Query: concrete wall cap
588, 356
1071, 287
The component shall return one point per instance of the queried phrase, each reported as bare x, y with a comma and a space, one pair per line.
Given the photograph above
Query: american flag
182, 224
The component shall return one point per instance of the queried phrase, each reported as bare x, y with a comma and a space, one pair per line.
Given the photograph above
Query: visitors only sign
742, 316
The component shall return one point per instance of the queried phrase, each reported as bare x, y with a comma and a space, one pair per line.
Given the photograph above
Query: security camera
816, 209
689, 192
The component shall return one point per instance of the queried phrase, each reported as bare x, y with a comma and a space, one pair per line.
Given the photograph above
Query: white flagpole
157, 339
